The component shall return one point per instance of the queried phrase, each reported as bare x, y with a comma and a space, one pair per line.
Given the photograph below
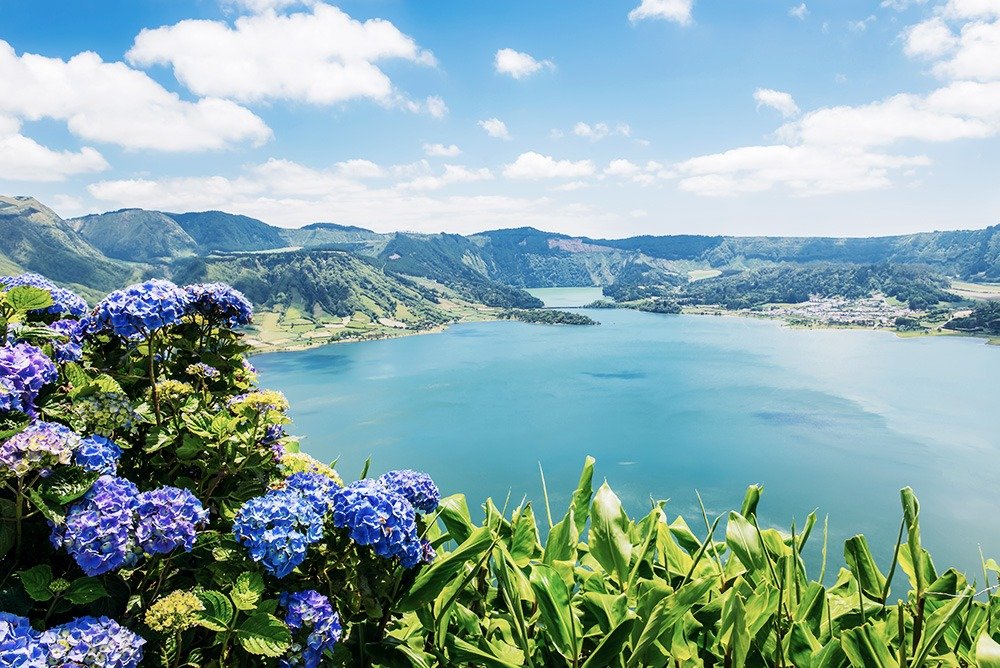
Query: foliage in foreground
155, 513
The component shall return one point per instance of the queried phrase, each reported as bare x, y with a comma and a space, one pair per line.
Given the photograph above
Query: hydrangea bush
155, 512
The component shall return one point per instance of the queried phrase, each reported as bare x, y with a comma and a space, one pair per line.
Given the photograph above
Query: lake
832, 420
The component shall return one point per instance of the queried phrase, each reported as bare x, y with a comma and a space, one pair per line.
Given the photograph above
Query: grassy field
702, 274
976, 290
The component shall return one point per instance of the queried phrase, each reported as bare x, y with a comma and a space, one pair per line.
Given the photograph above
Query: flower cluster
414, 486
63, 300
176, 611
272, 440
92, 641
140, 309
168, 518
375, 516
315, 488
310, 611
203, 371
299, 462
103, 413
277, 528
114, 524
19, 643
24, 371
261, 402
70, 349
220, 303
98, 453
97, 532
39, 447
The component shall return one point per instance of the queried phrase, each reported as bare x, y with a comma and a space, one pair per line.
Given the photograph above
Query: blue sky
600, 118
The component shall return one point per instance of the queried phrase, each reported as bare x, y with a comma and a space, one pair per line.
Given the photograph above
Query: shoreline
689, 311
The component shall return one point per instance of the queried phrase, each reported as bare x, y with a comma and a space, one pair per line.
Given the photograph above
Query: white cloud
114, 104
451, 174
622, 167
436, 107
799, 12
359, 169
777, 100
929, 39
288, 194
24, 159
519, 64
599, 131
442, 151
862, 24
976, 54
532, 165
495, 128
322, 56
971, 9
678, 11
901, 5
261, 6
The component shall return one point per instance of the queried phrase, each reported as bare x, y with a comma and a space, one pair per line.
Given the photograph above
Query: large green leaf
36, 581
861, 562
743, 539
562, 541
556, 611
735, 635
247, 590
454, 513
67, 484
666, 615
464, 653
84, 591
431, 581
218, 612
582, 495
865, 648
26, 298
609, 534
612, 646
987, 652
262, 634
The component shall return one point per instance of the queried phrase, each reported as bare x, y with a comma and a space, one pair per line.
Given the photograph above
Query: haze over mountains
329, 265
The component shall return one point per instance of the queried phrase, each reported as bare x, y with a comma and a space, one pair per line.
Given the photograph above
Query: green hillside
36, 239
219, 231
136, 235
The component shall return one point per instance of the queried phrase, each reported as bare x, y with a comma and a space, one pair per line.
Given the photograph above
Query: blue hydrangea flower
137, 310
315, 488
309, 611
98, 453
63, 300
24, 371
375, 516
220, 303
427, 552
414, 486
168, 518
39, 447
70, 350
19, 643
202, 370
92, 641
277, 528
98, 531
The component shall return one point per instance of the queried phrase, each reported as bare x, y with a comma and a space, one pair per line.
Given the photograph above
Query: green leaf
84, 591
609, 534
49, 510
865, 648
36, 582
562, 541
556, 611
247, 591
743, 539
861, 562
26, 298
218, 612
464, 653
582, 495
77, 377
750, 500
666, 615
611, 646
264, 635
987, 652
67, 484
454, 513
431, 581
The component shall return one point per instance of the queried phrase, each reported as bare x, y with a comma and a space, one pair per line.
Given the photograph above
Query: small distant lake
837, 421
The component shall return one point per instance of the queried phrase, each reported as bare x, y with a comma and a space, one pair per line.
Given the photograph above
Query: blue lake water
837, 421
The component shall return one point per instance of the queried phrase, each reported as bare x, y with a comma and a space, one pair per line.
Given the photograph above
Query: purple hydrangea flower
98, 453
24, 371
414, 486
202, 370
272, 440
70, 350
309, 611
277, 528
375, 516
39, 447
220, 303
98, 531
427, 552
63, 300
168, 518
137, 310
92, 641
19, 643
